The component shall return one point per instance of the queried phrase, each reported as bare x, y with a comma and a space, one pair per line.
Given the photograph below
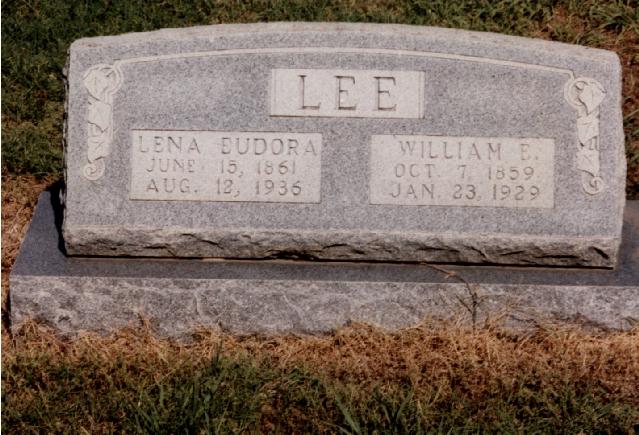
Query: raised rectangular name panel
344, 142
225, 166
462, 171
347, 93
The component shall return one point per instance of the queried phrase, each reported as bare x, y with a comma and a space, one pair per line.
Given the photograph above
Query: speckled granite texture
477, 85
74, 294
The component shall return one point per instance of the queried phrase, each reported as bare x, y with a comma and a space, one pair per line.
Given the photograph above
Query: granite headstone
344, 142
299, 141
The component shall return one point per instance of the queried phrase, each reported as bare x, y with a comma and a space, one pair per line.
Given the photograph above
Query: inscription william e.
462, 171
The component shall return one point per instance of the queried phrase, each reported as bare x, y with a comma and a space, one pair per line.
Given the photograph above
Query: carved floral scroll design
586, 94
101, 82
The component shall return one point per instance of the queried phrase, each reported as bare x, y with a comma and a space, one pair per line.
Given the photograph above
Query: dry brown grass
433, 354
448, 355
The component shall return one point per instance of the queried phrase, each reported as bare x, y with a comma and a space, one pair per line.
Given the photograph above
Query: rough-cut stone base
343, 246
101, 294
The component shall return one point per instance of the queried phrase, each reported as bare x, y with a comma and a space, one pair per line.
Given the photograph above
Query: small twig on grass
473, 290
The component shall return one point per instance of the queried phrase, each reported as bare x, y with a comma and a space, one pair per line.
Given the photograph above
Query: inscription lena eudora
225, 166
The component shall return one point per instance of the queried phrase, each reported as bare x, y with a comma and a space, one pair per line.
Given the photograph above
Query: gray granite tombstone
356, 142
344, 142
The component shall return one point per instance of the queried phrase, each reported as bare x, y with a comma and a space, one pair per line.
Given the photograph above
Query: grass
360, 379
36, 35
431, 378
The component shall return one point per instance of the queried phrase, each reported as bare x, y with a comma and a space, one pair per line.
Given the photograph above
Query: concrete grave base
99, 294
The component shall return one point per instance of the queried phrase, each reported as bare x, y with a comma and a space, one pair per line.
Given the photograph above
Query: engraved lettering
166, 185
225, 166
461, 171
260, 146
347, 93
446, 154
412, 191
177, 145
474, 152
226, 145
152, 186
382, 90
172, 145
303, 104
429, 167
143, 149
158, 144
163, 165
292, 146
430, 151
413, 170
171, 165
343, 93
428, 189
243, 146
277, 146
494, 150
150, 169
194, 147
408, 146
310, 148
450, 150
397, 190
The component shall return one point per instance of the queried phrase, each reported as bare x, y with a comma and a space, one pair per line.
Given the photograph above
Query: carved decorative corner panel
586, 94
101, 82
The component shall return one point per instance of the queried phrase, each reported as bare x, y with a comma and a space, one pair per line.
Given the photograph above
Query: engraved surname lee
344, 86
347, 93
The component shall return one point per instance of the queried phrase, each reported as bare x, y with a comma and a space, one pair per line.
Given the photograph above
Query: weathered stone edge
177, 306
341, 245
216, 30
